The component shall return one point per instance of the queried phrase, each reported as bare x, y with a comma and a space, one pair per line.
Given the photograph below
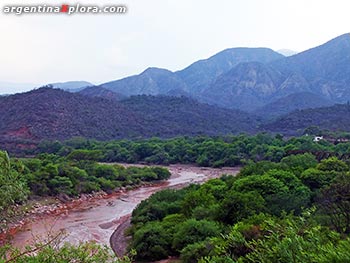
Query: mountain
71, 86
174, 116
332, 118
193, 79
205, 98
55, 114
295, 101
326, 68
96, 91
250, 78
246, 87
201, 74
324, 71
152, 81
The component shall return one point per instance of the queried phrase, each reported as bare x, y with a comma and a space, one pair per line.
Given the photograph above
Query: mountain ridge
54, 114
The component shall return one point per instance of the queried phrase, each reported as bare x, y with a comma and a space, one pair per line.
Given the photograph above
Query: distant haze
11, 87
287, 52
170, 34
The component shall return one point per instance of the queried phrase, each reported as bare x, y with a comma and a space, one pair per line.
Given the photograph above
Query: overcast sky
161, 33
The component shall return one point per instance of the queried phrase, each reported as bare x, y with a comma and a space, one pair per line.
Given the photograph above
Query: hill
174, 116
54, 114
295, 101
332, 118
95, 91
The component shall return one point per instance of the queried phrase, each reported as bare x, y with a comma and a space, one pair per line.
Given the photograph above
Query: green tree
151, 242
332, 164
335, 202
192, 231
13, 187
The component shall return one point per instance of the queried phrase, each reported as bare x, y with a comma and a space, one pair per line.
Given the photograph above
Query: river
97, 219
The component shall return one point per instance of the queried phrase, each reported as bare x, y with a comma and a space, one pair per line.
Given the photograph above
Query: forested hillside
27, 118
334, 118
295, 210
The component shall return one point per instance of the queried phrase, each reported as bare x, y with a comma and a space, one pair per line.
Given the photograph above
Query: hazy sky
161, 33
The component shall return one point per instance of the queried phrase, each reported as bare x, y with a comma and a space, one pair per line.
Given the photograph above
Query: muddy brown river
97, 219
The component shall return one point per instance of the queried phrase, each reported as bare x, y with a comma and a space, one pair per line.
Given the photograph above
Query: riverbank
97, 218
38, 209
119, 241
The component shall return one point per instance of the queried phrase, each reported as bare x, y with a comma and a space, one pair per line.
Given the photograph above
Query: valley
232, 159
96, 219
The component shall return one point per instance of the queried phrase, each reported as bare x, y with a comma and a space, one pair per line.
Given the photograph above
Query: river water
97, 219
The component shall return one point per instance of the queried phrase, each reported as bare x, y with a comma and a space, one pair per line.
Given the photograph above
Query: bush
193, 231
151, 242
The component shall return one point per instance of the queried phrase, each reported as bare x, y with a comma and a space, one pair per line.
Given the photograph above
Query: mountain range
250, 78
194, 79
237, 90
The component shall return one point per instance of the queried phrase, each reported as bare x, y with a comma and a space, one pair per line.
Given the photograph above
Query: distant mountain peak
71, 86
155, 70
287, 52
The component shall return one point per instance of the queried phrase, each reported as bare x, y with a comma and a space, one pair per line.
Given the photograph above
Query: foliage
49, 174
52, 253
73, 177
13, 188
335, 202
261, 215
205, 151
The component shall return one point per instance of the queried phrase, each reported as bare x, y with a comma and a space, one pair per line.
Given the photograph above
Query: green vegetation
333, 118
51, 253
294, 210
288, 204
204, 151
13, 188
52, 175
49, 174
76, 174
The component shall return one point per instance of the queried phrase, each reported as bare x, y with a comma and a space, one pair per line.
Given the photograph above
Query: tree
280, 189
335, 202
12, 184
151, 242
239, 205
192, 231
296, 240
193, 252
298, 163
315, 179
332, 164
